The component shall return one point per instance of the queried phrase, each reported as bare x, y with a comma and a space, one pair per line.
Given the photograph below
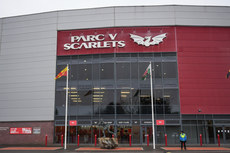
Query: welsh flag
147, 71
62, 73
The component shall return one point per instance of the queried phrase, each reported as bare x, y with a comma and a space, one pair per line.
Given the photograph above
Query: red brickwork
7, 138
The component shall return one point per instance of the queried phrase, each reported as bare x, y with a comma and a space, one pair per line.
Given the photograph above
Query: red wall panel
203, 62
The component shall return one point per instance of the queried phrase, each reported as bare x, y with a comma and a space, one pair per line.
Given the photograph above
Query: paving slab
196, 148
116, 149
30, 148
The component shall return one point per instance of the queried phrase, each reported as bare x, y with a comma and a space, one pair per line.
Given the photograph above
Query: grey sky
21, 7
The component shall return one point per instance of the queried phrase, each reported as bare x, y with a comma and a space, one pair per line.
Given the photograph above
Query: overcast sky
21, 7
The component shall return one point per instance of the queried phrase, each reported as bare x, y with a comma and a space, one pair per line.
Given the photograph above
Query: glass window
145, 97
123, 57
169, 70
100, 89
159, 97
157, 70
123, 71
85, 59
107, 58
134, 71
146, 109
82, 97
145, 57
63, 60
157, 57
109, 109
171, 97
96, 74
135, 96
159, 109
124, 109
134, 75
123, 97
172, 109
169, 56
74, 72
84, 72
106, 96
107, 71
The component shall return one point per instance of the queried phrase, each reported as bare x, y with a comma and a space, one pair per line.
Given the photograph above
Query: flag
147, 71
228, 74
62, 73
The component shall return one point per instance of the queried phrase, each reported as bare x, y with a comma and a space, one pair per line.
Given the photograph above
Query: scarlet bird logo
146, 41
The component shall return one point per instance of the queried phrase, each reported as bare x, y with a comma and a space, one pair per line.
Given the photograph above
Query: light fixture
125, 92
76, 98
72, 88
77, 101
97, 98
97, 95
97, 88
74, 95
97, 101
144, 95
72, 92
98, 92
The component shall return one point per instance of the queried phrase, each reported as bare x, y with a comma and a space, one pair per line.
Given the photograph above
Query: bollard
78, 137
95, 140
62, 140
46, 140
201, 140
166, 140
130, 139
218, 140
147, 140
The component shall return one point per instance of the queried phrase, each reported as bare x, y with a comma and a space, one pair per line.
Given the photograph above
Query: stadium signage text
94, 41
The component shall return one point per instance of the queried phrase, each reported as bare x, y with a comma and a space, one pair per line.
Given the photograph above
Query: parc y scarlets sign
116, 40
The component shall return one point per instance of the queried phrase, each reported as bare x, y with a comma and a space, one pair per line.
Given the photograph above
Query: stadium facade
108, 50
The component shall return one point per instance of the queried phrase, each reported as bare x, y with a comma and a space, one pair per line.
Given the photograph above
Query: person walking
183, 139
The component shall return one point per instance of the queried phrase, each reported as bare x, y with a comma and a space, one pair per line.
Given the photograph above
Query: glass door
220, 132
84, 134
227, 135
123, 134
146, 131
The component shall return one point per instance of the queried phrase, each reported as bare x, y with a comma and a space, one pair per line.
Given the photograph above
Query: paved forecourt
197, 148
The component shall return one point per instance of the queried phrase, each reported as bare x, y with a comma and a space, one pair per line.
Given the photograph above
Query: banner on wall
116, 40
19, 130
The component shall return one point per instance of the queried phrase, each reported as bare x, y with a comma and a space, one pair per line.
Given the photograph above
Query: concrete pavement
138, 148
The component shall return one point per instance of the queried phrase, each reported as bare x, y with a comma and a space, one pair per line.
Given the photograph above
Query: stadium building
108, 50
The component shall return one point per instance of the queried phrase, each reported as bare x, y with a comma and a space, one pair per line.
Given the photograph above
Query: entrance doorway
146, 130
123, 133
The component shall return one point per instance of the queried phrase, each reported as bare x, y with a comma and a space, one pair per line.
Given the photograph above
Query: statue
106, 142
105, 127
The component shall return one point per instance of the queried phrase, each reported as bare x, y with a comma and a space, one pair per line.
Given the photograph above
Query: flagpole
66, 104
151, 84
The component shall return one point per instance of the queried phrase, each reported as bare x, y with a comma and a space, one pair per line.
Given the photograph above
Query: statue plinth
108, 143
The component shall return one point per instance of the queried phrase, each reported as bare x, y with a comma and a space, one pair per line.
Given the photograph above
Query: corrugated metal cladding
28, 49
